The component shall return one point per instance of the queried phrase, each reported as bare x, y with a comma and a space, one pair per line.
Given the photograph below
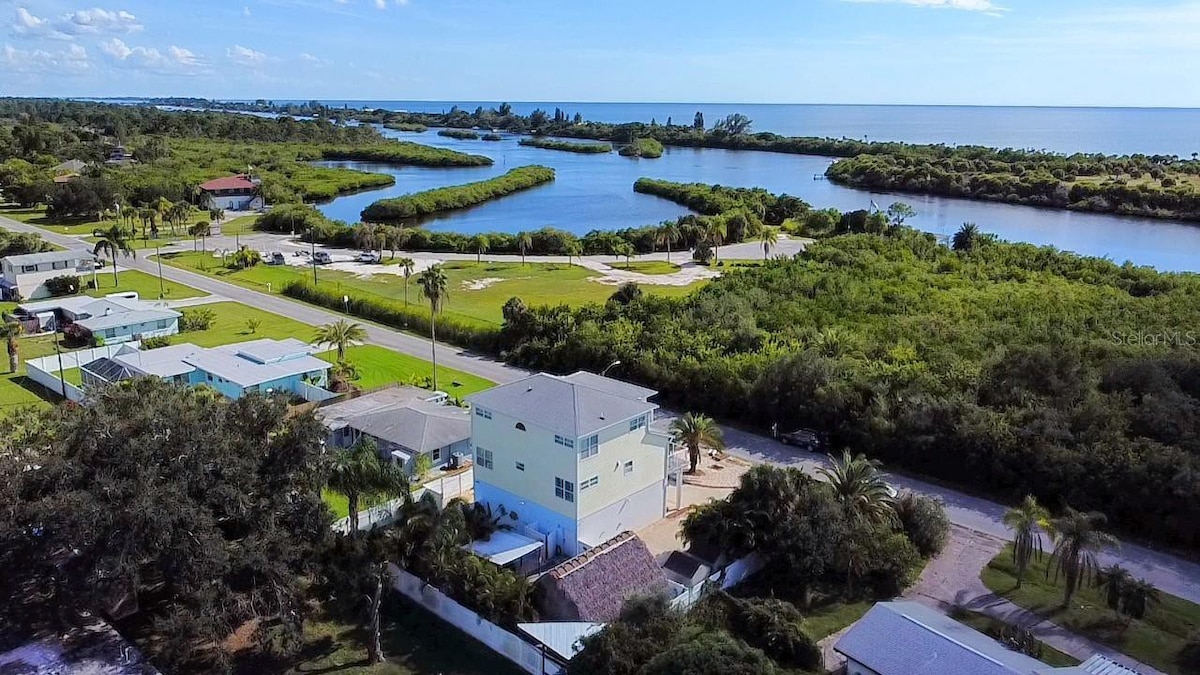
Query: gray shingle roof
610, 385
336, 415
118, 319
416, 425
898, 638
567, 407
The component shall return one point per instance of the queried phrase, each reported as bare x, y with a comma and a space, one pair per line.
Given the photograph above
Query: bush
197, 319
75, 335
68, 284
457, 196
775, 626
647, 148
156, 342
1188, 658
395, 315
890, 562
924, 522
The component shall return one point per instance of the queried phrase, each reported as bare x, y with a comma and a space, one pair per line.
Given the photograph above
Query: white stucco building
573, 457
25, 276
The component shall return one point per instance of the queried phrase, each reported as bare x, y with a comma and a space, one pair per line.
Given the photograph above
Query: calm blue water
1167, 131
596, 192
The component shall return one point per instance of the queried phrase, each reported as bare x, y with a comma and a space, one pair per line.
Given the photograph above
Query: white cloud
27, 24
986, 6
245, 56
381, 4
98, 20
176, 60
72, 60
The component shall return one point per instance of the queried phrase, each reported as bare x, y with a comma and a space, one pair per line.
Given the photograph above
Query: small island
567, 146
406, 127
457, 196
492, 137
460, 134
647, 148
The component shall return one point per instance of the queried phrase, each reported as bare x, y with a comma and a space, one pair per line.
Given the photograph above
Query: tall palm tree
480, 243
10, 331
1027, 523
861, 488
111, 242
667, 234
524, 243
341, 334
216, 215
408, 265
359, 472
396, 238
715, 231
769, 237
697, 431
369, 236
573, 249
966, 239
435, 289
1077, 541
199, 231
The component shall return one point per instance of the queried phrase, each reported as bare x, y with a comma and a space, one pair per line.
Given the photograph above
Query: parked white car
369, 257
322, 258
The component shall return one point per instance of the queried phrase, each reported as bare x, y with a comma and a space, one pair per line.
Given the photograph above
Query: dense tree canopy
1011, 368
175, 509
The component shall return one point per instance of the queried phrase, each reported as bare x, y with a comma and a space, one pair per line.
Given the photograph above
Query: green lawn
16, 390
648, 267
992, 626
242, 225
825, 619
378, 367
146, 285
336, 502
478, 291
229, 326
1157, 640
415, 642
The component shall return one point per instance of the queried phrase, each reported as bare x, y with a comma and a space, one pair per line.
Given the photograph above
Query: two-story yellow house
572, 457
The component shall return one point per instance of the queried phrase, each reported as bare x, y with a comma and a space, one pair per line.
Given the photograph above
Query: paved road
1171, 574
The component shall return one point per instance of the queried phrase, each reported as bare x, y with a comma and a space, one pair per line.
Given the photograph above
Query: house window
483, 412
564, 489
110, 333
565, 442
58, 265
436, 455
520, 426
637, 423
590, 447
628, 467
209, 376
162, 324
591, 482
484, 458
520, 466
27, 269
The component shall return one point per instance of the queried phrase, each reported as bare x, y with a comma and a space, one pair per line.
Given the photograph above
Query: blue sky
987, 52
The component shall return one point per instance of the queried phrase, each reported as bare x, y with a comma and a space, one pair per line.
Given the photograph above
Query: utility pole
158, 256
62, 376
312, 238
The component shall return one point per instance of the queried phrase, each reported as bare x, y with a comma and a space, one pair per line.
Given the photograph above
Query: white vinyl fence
526, 655
45, 370
442, 489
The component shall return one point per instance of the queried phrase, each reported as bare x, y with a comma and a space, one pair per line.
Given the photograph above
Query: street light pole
62, 376
158, 256
610, 366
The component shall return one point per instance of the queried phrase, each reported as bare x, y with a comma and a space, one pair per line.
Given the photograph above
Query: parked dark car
805, 439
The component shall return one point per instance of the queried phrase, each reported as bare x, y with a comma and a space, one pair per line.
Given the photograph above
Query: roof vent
107, 311
529, 390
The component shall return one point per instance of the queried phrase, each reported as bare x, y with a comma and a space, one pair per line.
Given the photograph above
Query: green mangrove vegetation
406, 127
491, 137
460, 134
1010, 368
646, 148
567, 146
457, 196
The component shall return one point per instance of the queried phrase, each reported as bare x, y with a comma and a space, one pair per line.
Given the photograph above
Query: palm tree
769, 237
369, 236
481, 244
199, 231
666, 235
216, 215
625, 249
966, 239
111, 242
524, 243
695, 431
1077, 541
10, 331
1114, 580
396, 238
861, 488
1027, 523
407, 264
359, 472
436, 290
716, 231
341, 334
1140, 596
178, 214
573, 249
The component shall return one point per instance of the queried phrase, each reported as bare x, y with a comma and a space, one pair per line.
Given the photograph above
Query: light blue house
116, 318
269, 366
